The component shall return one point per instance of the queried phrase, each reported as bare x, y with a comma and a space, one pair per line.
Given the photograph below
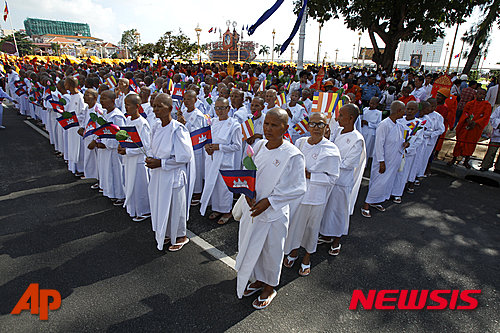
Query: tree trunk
385, 59
482, 34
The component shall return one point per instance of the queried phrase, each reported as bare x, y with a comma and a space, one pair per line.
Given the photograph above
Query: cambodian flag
132, 85
107, 131
57, 106
134, 140
89, 129
240, 181
287, 137
21, 91
201, 137
67, 123
141, 111
178, 92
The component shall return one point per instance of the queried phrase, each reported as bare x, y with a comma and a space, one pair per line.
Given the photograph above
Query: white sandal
291, 261
265, 302
332, 249
251, 290
366, 213
303, 268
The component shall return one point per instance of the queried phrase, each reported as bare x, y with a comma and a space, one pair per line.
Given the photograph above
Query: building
78, 46
38, 27
431, 53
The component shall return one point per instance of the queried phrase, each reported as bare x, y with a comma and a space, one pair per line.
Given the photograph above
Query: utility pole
291, 51
302, 37
272, 51
452, 48
359, 47
198, 30
336, 54
319, 43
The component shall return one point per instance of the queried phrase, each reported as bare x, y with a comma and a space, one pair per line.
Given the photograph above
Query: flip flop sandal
166, 241
417, 182
265, 302
322, 240
411, 190
214, 216
304, 270
397, 200
366, 213
223, 220
380, 208
251, 290
172, 247
291, 261
195, 202
335, 251
139, 218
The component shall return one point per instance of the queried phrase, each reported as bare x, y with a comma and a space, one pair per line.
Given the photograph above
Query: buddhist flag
287, 85
133, 140
281, 99
178, 92
240, 181
107, 131
263, 85
142, 112
67, 123
5, 12
301, 126
201, 137
325, 103
111, 82
170, 85
247, 129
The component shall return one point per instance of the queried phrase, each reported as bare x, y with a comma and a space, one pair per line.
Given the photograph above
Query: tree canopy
24, 44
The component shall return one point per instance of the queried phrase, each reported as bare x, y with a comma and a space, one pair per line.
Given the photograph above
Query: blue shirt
369, 91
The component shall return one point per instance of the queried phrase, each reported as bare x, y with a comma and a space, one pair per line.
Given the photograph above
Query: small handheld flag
111, 82
201, 137
89, 129
263, 85
107, 131
133, 140
287, 137
20, 91
240, 181
281, 99
132, 85
67, 123
301, 126
142, 112
247, 128
178, 92
326, 103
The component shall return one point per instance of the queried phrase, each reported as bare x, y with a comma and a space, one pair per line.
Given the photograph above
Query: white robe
111, 177
227, 134
433, 129
389, 149
373, 117
241, 114
75, 143
344, 193
298, 114
261, 239
409, 157
323, 162
194, 121
171, 185
90, 156
136, 173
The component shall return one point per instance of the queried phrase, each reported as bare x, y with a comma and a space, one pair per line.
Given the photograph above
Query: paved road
58, 232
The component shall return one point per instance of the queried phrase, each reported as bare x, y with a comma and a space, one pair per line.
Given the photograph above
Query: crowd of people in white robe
305, 191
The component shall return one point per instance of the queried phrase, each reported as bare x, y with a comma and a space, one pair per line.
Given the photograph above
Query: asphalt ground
56, 231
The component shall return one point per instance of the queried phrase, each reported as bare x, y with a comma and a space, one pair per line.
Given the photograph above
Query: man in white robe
238, 110
224, 153
434, 127
341, 201
136, 174
194, 119
172, 176
296, 113
270, 100
89, 155
370, 119
75, 143
322, 159
264, 222
389, 147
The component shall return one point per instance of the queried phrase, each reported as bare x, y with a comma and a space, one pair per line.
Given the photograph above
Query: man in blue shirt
370, 90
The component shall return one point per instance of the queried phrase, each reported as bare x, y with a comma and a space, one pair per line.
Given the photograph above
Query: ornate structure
230, 47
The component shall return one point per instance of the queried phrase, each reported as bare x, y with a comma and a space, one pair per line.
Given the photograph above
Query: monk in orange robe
444, 110
406, 95
474, 119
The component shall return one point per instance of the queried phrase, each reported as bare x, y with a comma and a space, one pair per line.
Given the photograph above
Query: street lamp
319, 43
324, 59
198, 30
353, 51
445, 55
359, 46
336, 54
291, 52
272, 51
239, 50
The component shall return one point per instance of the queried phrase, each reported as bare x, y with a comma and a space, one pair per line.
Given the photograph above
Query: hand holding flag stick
123, 135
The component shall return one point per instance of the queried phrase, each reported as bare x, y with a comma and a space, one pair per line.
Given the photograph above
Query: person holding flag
75, 105
224, 153
3, 94
88, 126
172, 176
280, 178
296, 113
322, 159
136, 174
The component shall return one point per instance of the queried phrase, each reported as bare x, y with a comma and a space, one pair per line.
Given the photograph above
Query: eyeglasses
319, 125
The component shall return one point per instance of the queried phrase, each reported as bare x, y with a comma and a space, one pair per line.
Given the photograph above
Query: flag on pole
133, 140
263, 85
21, 91
248, 129
201, 137
240, 181
281, 99
132, 85
287, 137
178, 92
107, 131
142, 112
287, 85
211, 29
58, 106
326, 103
67, 123
89, 129
301, 126
5, 12
111, 82
170, 84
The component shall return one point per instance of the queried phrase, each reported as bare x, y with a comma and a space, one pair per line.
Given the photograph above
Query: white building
431, 53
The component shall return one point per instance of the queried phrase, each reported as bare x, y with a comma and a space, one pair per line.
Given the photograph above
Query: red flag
319, 79
5, 12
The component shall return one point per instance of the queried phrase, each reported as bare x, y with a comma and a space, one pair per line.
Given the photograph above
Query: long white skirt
304, 228
335, 222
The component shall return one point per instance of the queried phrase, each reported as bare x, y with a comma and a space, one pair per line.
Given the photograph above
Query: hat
328, 83
445, 92
463, 77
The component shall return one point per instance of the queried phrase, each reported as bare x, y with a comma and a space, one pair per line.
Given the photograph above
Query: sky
108, 19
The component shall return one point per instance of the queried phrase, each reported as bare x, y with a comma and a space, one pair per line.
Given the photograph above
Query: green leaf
93, 116
62, 101
122, 135
249, 164
67, 115
101, 121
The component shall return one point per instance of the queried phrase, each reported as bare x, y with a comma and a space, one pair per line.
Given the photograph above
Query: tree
393, 21
24, 44
130, 39
147, 50
56, 48
264, 50
277, 48
479, 35
175, 46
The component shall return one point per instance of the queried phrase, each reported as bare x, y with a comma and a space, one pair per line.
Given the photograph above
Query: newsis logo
37, 300
414, 299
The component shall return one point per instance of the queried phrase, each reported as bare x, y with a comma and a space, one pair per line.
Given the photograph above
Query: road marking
205, 246
36, 129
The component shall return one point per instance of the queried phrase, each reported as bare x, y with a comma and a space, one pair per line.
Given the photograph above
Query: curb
483, 177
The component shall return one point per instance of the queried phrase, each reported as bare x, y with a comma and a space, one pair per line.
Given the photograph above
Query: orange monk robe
481, 112
444, 112
452, 103
407, 99
356, 90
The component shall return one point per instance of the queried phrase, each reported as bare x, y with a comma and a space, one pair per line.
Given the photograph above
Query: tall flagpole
302, 38
11, 28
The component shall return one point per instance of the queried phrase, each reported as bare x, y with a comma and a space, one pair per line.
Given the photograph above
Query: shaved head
397, 106
352, 110
92, 92
133, 98
191, 93
164, 99
280, 114
109, 94
318, 116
